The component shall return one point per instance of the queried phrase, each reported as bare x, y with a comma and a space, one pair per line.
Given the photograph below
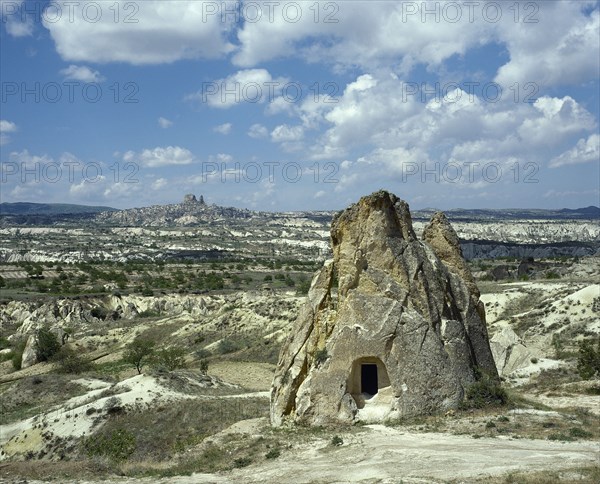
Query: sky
300, 105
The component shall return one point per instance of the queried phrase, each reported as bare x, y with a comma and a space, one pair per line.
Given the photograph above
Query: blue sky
300, 105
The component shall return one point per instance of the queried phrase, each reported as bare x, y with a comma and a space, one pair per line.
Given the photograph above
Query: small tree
557, 344
138, 353
170, 358
70, 361
47, 344
588, 359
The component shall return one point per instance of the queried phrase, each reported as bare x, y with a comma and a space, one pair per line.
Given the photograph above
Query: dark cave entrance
368, 378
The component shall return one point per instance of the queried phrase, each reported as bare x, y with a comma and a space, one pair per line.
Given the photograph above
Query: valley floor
380, 454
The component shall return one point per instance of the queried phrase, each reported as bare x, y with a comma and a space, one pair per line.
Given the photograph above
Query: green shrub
485, 392
490, 425
273, 454
69, 361
228, 346
204, 366
202, 353
4, 343
579, 432
558, 346
118, 445
170, 358
560, 436
242, 462
148, 314
337, 441
17, 355
47, 344
6, 356
99, 313
588, 359
321, 356
302, 287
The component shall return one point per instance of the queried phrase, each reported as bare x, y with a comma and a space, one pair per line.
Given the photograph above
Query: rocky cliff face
404, 336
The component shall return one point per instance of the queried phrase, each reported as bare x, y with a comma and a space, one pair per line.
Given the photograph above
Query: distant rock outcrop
29, 357
406, 334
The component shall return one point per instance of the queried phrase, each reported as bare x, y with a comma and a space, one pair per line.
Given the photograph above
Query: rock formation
406, 334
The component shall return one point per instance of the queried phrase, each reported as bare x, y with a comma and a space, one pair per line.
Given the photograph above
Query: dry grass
578, 475
164, 431
31, 395
56, 470
567, 425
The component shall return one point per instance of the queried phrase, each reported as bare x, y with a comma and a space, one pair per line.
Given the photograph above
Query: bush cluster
588, 359
485, 392
118, 445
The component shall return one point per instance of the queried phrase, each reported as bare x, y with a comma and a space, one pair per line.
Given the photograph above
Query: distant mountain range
27, 208
198, 226
193, 212
586, 213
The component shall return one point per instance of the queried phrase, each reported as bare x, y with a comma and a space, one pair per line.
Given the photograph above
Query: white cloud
258, 131
394, 160
164, 122
351, 33
170, 155
121, 191
224, 128
81, 73
16, 21
148, 32
86, 190
28, 160
376, 112
6, 127
221, 157
18, 28
585, 151
562, 48
159, 183
570, 193
549, 43
245, 86
284, 133
557, 118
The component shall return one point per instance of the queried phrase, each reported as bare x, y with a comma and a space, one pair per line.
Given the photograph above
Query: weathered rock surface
510, 352
29, 357
407, 324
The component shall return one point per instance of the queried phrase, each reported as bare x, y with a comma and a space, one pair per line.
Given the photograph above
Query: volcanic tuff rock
405, 335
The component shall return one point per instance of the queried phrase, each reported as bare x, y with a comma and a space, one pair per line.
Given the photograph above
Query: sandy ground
252, 376
388, 455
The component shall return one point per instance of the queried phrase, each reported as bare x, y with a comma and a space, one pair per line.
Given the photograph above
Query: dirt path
386, 455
